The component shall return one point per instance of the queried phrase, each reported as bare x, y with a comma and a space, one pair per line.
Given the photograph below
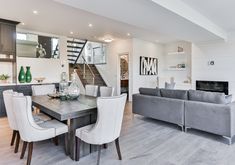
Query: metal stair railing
89, 68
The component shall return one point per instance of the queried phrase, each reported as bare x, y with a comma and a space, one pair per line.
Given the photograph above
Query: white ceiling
220, 12
143, 19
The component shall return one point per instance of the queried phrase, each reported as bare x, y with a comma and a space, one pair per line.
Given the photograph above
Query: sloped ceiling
143, 19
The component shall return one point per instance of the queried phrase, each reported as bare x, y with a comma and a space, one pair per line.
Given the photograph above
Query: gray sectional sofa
206, 111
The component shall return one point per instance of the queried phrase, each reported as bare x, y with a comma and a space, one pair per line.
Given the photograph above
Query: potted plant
4, 78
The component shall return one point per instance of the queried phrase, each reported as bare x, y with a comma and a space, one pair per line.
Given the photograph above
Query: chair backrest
7, 97
38, 90
106, 91
29, 130
109, 119
91, 90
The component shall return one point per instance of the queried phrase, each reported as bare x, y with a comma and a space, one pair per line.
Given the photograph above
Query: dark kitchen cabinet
2, 105
26, 89
8, 39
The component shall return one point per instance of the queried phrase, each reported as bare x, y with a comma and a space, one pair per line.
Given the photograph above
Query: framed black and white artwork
148, 66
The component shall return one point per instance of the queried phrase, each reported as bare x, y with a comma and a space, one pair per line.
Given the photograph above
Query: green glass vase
28, 74
22, 76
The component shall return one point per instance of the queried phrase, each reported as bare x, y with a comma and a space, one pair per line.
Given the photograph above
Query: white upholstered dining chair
30, 131
39, 90
107, 127
7, 97
91, 90
106, 91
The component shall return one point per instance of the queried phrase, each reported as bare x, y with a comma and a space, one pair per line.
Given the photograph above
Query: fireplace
213, 86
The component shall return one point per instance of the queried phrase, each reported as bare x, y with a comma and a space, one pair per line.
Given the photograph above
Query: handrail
80, 51
84, 70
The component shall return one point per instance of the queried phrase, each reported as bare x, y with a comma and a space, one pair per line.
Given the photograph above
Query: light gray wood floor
143, 141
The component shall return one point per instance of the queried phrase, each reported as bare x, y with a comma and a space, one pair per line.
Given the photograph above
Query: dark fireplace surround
213, 86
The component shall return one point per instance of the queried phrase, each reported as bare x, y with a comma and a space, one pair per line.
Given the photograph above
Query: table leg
73, 124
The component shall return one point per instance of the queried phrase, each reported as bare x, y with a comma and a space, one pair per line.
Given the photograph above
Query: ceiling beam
180, 8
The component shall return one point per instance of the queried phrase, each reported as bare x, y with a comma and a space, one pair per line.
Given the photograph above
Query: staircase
74, 49
90, 76
87, 73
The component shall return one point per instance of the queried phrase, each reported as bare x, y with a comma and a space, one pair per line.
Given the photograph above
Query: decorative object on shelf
4, 78
39, 79
211, 63
63, 86
180, 49
73, 90
28, 74
148, 66
22, 76
181, 66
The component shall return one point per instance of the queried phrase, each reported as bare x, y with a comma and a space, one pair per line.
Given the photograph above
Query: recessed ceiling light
128, 34
35, 12
71, 32
90, 25
22, 23
108, 40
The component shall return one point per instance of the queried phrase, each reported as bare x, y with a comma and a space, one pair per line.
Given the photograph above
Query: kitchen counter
32, 83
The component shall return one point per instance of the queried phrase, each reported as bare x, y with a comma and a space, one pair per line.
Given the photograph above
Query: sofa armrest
209, 117
232, 108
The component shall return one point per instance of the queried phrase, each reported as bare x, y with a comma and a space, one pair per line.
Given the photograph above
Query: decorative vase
73, 89
63, 86
28, 74
22, 76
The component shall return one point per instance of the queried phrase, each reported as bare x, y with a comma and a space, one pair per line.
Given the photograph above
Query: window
21, 36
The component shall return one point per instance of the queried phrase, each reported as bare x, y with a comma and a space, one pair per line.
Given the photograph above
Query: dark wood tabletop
64, 110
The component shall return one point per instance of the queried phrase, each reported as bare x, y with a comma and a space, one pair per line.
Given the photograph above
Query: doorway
123, 74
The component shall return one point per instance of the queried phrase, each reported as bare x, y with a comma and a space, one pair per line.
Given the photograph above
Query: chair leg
17, 141
56, 140
23, 149
118, 149
30, 152
78, 143
13, 137
105, 146
99, 150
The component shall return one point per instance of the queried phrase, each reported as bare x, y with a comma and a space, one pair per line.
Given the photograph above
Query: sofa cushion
209, 97
176, 94
150, 91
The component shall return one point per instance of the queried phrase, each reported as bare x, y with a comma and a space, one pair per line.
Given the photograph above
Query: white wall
172, 60
109, 71
135, 48
224, 56
148, 49
6, 68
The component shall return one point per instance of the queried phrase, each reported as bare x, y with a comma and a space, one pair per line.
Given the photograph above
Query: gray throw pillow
209, 97
169, 85
176, 94
150, 91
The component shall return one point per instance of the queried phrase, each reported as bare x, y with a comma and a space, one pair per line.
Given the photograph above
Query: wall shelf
176, 69
176, 53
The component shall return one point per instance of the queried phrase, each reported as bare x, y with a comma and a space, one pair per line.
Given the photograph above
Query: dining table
76, 113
